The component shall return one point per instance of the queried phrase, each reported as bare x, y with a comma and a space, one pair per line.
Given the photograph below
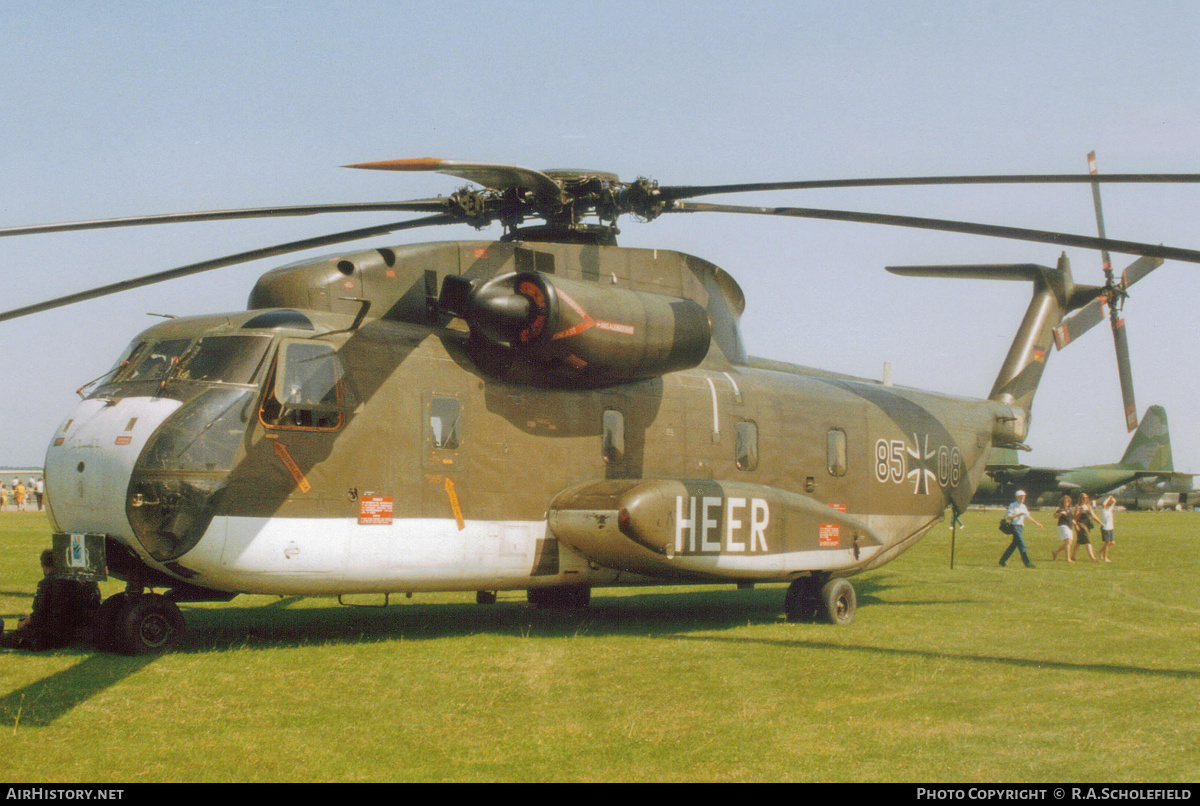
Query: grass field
1085, 672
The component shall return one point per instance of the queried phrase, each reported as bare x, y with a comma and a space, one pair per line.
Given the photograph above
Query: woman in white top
1108, 512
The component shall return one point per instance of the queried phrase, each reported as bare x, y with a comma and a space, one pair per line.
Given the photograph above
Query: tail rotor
1112, 295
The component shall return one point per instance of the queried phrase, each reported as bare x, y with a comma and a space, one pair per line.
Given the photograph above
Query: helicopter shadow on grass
279, 625
653, 612
1003, 660
41, 702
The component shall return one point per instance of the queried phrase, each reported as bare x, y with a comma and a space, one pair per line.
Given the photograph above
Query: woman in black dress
1085, 518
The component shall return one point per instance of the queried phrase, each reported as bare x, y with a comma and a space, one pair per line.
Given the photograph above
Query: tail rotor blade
1139, 269
1080, 322
1124, 370
1108, 272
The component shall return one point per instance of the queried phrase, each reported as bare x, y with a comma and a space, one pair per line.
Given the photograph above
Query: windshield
224, 359
209, 359
216, 359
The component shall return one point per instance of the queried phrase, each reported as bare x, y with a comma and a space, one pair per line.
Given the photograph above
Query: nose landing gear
135, 623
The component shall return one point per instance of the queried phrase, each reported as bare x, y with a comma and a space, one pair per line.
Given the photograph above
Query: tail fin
1150, 448
1055, 294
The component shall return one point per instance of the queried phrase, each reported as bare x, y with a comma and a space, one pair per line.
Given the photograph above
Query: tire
485, 597
838, 601
803, 600
149, 624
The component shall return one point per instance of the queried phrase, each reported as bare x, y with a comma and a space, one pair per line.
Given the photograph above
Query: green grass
1087, 672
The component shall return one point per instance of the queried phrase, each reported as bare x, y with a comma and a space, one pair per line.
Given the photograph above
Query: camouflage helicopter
547, 412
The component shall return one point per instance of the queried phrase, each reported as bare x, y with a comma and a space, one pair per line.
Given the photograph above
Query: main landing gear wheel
148, 624
803, 599
810, 598
838, 601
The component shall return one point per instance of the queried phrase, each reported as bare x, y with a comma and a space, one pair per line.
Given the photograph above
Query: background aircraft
1145, 468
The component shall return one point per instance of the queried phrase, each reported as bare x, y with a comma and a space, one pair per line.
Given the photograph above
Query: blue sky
163, 107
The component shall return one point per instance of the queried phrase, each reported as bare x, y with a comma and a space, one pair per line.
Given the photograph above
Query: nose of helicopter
146, 470
92, 458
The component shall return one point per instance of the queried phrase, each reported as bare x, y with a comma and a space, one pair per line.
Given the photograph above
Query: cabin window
836, 452
613, 445
445, 415
307, 388
746, 449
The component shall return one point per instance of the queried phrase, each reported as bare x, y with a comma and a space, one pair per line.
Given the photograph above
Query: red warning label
374, 510
829, 535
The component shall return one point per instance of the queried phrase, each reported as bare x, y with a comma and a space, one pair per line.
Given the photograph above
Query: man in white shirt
1017, 513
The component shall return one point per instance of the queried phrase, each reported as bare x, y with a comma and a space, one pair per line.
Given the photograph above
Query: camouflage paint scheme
526, 496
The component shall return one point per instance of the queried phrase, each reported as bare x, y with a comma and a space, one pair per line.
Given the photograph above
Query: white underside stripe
324, 556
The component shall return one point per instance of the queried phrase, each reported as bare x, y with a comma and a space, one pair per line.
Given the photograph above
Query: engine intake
586, 331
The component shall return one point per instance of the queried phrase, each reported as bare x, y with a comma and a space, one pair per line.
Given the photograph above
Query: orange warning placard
281, 451
454, 506
374, 510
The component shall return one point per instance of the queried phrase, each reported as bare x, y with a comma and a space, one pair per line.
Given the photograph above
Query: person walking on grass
1066, 529
1016, 515
1085, 519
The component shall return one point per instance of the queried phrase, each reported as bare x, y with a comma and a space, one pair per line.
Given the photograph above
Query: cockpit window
224, 359
212, 359
154, 363
307, 388
132, 354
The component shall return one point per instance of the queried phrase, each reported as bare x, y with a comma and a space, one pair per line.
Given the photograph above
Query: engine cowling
588, 332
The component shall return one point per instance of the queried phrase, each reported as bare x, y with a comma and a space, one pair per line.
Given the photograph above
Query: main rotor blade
675, 192
1121, 341
415, 206
943, 225
491, 175
230, 260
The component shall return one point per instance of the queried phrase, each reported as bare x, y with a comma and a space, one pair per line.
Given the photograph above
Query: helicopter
547, 411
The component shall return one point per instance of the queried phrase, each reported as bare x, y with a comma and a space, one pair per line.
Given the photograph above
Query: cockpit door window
307, 388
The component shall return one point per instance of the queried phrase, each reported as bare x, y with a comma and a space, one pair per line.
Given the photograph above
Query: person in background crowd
19, 490
1066, 529
1108, 511
1085, 518
39, 492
